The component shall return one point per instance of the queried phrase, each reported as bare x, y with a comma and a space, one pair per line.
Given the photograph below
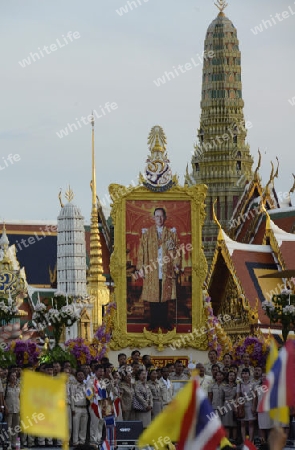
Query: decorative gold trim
196, 195
269, 237
222, 248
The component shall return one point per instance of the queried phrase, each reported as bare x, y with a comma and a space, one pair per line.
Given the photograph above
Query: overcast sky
115, 58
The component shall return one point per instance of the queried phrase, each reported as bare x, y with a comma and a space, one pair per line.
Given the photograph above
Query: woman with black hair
246, 390
12, 406
229, 392
126, 393
155, 388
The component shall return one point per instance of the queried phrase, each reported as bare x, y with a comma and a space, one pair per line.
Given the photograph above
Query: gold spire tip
69, 194
92, 119
221, 5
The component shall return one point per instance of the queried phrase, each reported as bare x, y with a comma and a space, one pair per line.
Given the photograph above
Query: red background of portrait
139, 215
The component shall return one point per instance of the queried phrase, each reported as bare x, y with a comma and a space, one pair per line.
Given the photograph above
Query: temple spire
222, 158
97, 288
93, 182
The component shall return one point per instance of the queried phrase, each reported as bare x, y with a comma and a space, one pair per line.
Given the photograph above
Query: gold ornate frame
121, 338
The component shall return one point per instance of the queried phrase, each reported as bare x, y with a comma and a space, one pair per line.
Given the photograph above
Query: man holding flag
96, 392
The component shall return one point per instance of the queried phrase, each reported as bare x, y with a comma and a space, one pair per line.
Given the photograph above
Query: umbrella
289, 273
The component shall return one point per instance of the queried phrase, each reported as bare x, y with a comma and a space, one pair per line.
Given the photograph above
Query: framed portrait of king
158, 265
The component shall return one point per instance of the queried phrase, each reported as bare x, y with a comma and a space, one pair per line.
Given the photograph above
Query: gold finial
157, 140
293, 186
69, 194
258, 166
221, 5
157, 146
214, 215
277, 169
271, 177
92, 120
60, 200
266, 191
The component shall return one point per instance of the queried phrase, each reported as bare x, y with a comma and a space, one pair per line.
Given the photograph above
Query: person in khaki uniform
12, 406
166, 387
126, 394
155, 387
79, 409
98, 390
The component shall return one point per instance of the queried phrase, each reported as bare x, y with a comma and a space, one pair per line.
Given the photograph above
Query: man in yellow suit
158, 264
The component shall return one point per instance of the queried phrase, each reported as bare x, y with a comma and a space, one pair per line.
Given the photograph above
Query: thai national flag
117, 407
248, 445
279, 384
95, 406
201, 429
106, 445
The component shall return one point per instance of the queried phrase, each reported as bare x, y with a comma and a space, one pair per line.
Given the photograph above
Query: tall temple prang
222, 158
71, 255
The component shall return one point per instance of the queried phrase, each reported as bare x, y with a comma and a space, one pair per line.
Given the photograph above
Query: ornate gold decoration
266, 196
158, 174
85, 325
234, 302
157, 140
214, 215
256, 173
69, 194
11, 282
96, 287
253, 314
60, 200
53, 274
277, 169
196, 196
293, 185
221, 5
269, 238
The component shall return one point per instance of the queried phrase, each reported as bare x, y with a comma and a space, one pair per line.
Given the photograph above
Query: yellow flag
167, 425
277, 414
225, 443
43, 406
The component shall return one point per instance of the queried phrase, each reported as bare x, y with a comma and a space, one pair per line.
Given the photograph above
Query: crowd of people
136, 390
235, 391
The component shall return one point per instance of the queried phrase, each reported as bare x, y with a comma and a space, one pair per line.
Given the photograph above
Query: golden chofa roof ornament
158, 174
221, 5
